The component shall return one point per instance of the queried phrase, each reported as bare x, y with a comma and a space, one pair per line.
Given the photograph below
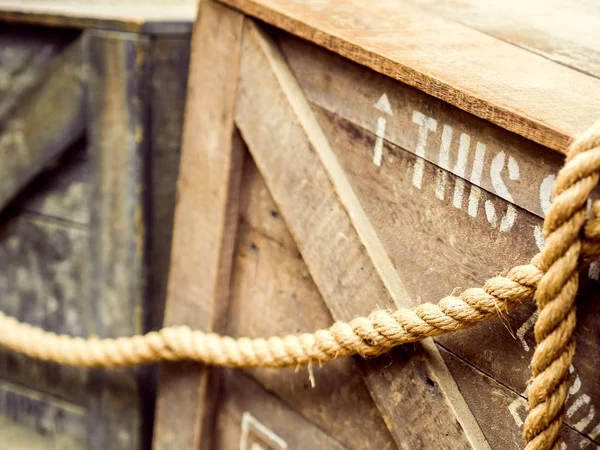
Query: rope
556, 291
552, 277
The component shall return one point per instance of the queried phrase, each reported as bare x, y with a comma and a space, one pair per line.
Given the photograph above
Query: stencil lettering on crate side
383, 105
37, 411
256, 436
578, 402
503, 167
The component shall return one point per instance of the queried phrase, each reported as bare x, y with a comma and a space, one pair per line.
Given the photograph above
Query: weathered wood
205, 220
136, 16
43, 271
273, 294
39, 422
425, 126
38, 131
500, 411
547, 35
25, 55
169, 61
118, 93
251, 418
344, 256
62, 191
454, 63
429, 239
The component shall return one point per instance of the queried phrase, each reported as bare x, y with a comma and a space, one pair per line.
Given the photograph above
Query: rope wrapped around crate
551, 277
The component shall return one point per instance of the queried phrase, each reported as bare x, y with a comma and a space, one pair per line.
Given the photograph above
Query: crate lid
148, 16
530, 67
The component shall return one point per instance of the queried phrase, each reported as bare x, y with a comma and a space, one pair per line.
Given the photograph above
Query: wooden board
117, 89
36, 131
525, 93
43, 266
535, 25
272, 425
153, 16
343, 253
205, 219
25, 55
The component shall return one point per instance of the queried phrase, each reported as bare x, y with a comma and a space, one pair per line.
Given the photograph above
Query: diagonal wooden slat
49, 119
338, 243
206, 218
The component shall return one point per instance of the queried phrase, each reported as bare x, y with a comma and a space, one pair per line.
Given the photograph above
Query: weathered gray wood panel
25, 55
43, 265
46, 121
81, 229
117, 74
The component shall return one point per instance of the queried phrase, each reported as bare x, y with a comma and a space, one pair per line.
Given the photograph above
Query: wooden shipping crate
91, 111
344, 156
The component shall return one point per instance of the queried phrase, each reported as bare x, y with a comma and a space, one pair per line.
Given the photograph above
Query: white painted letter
426, 124
545, 198
443, 161
383, 105
460, 168
507, 222
476, 173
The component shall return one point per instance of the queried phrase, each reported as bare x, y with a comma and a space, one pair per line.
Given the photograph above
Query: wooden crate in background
344, 156
91, 111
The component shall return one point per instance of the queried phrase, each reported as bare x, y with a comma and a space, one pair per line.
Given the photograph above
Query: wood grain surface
205, 220
118, 148
520, 91
37, 131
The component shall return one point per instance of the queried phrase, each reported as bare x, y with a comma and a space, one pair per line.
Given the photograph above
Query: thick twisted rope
551, 277
556, 291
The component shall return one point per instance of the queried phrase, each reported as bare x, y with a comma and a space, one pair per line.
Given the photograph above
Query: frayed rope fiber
551, 277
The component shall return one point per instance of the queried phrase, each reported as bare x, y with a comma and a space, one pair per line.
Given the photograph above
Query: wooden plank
430, 239
251, 418
274, 294
117, 90
425, 126
26, 55
546, 35
43, 272
62, 191
170, 64
344, 255
38, 131
522, 92
36, 421
152, 16
169, 60
205, 219
500, 411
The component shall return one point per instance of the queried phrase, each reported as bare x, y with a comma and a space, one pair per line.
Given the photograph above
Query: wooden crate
344, 156
91, 110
